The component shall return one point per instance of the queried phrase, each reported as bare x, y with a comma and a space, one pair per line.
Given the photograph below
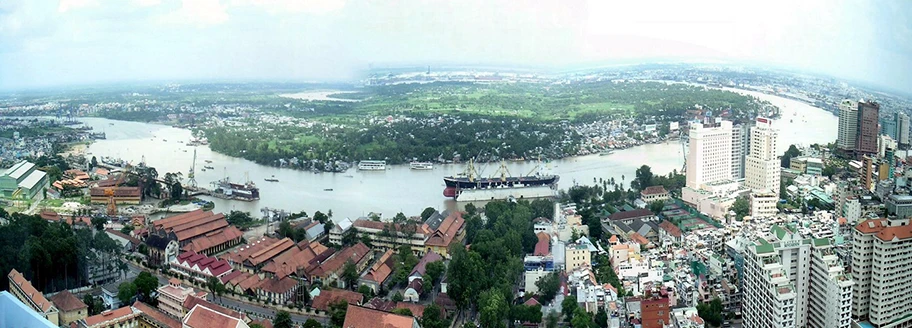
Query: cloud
147, 3
293, 6
200, 13
67, 5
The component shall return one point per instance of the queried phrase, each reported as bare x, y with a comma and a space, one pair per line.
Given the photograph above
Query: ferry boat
371, 165
421, 166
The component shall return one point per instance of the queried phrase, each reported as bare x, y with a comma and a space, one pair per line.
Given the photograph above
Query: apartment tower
848, 126
867, 131
710, 153
762, 165
881, 262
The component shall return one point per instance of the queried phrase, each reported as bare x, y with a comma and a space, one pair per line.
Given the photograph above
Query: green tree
493, 308
580, 318
548, 287
366, 291
741, 207
337, 312
146, 283
93, 163
427, 213
350, 275
542, 208
568, 306
320, 217
98, 222
435, 270
828, 171
127, 229
398, 297
282, 320
711, 312
789, 154
256, 325
125, 292
311, 323
431, 317
285, 230
601, 318
643, 178
552, 320
240, 218
216, 287
657, 206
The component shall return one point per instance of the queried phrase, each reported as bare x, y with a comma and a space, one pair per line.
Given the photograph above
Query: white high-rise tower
710, 153
762, 166
848, 125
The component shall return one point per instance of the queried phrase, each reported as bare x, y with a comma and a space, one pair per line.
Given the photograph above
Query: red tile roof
193, 301
156, 316
381, 270
329, 296
278, 286
447, 230
354, 253
654, 190
202, 317
29, 290
116, 315
422, 265
359, 317
670, 228
543, 246
66, 302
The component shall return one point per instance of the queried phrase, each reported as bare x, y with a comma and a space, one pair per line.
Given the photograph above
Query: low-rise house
255, 254
359, 317
277, 290
687, 318
28, 295
71, 308
654, 193
416, 283
627, 217
199, 267
671, 231
109, 296
152, 317
329, 296
450, 230
129, 243
379, 273
125, 317
331, 268
201, 316
171, 297
161, 249
339, 230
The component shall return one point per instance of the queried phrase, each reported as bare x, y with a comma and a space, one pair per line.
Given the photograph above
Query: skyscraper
848, 126
881, 260
762, 166
888, 127
709, 155
866, 137
902, 129
790, 281
740, 140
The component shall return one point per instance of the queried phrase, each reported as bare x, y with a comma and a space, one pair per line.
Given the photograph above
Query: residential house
687, 318
201, 316
331, 269
360, 317
627, 217
161, 249
380, 272
199, 267
109, 296
339, 230
389, 235
450, 230
28, 295
329, 296
416, 278
671, 231
125, 317
171, 297
193, 301
70, 308
153, 318
255, 254
577, 255
277, 290
654, 193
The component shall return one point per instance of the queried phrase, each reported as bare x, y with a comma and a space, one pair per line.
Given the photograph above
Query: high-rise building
790, 281
881, 261
848, 126
709, 154
867, 172
740, 142
762, 166
866, 137
888, 127
902, 129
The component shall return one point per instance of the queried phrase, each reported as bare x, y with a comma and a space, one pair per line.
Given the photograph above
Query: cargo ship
455, 185
226, 189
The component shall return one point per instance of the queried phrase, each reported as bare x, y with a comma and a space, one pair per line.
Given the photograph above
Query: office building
763, 204
888, 127
899, 205
709, 154
762, 166
848, 126
867, 131
902, 129
881, 260
740, 141
790, 281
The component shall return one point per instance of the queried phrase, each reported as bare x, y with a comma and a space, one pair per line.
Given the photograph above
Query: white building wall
848, 125
710, 153
762, 166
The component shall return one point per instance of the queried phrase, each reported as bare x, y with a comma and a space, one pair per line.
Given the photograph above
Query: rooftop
66, 302
359, 317
16, 314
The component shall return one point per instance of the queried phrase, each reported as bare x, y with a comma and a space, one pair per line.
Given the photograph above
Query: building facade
902, 129
848, 126
795, 282
762, 166
881, 260
740, 141
22, 181
866, 137
763, 204
709, 154
899, 205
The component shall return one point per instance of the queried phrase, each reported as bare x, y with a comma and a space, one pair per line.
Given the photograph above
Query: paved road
262, 312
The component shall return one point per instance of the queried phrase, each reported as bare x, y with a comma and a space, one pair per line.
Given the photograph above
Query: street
262, 312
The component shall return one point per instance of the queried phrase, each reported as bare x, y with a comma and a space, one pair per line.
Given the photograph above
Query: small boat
111, 123
328, 189
349, 176
165, 140
209, 167
272, 180
185, 150
203, 169
208, 161
606, 153
421, 166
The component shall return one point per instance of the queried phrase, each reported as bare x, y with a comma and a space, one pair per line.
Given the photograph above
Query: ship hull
465, 183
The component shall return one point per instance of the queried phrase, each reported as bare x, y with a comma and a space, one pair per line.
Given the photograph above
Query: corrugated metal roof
14, 168
32, 179
21, 170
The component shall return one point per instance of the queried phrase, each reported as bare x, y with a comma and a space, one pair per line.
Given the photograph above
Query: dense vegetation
53, 256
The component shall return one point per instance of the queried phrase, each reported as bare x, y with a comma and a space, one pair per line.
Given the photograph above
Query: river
399, 189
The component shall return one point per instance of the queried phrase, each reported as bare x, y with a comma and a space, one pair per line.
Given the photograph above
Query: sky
73, 42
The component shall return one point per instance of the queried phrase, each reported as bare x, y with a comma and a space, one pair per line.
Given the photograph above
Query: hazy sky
88, 41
